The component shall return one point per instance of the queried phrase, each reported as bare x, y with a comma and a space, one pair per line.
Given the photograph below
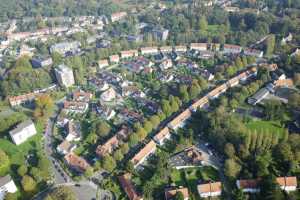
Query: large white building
7, 185
64, 76
22, 132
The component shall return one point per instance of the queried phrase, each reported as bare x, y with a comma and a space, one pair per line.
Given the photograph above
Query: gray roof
20, 127
4, 180
260, 94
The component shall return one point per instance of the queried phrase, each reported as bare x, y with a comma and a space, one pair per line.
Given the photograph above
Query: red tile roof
76, 162
180, 118
128, 187
162, 134
210, 187
144, 152
287, 181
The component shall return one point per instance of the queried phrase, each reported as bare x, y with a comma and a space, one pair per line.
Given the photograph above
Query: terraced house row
179, 120
204, 47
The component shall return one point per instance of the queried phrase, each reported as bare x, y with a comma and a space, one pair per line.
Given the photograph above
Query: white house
64, 76
210, 189
22, 132
65, 147
287, 183
7, 185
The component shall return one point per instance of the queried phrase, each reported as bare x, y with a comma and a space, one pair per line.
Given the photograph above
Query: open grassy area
266, 126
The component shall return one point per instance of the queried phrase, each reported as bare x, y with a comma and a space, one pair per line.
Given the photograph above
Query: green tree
102, 129
44, 106
28, 184
89, 172
183, 93
62, 193
232, 168
147, 126
4, 163
22, 170
229, 150
108, 163
178, 196
270, 45
154, 119
203, 23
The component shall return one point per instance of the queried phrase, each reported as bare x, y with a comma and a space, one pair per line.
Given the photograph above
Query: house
76, 162
129, 54
41, 62
210, 189
180, 49
18, 100
215, 93
199, 103
7, 185
113, 143
206, 54
199, 46
82, 96
64, 76
170, 193
108, 95
75, 107
105, 111
207, 75
135, 38
166, 64
287, 184
133, 91
130, 116
66, 147
162, 135
232, 49
22, 132
180, 119
258, 96
102, 44
66, 48
117, 16
165, 49
248, 185
232, 9
144, 153
149, 50
253, 52
287, 39
114, 59
233, 81
74, 131
284, 83
100, 84
103, 63
138, 64
160, 33
128, 187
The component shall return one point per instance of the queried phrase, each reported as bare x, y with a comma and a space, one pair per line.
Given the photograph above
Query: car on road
77, 185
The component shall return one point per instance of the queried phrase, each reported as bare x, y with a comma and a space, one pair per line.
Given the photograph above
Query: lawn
266, 126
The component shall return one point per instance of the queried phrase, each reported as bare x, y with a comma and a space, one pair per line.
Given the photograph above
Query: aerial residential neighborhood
149, 100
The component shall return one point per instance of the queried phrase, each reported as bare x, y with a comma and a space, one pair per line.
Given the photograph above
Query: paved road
60, 176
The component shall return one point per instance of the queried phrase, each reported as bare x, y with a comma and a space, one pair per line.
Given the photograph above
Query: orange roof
162, 134
249, 183
210, 187
82, 96
199, 103
144, 152
170, 193
108, 146
76, 161
287, 181
129, 52
180, 118
128, 187
217, 90
195, 45
285, 82
22, 98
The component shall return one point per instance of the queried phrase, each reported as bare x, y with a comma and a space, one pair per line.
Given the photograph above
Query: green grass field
266, 126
